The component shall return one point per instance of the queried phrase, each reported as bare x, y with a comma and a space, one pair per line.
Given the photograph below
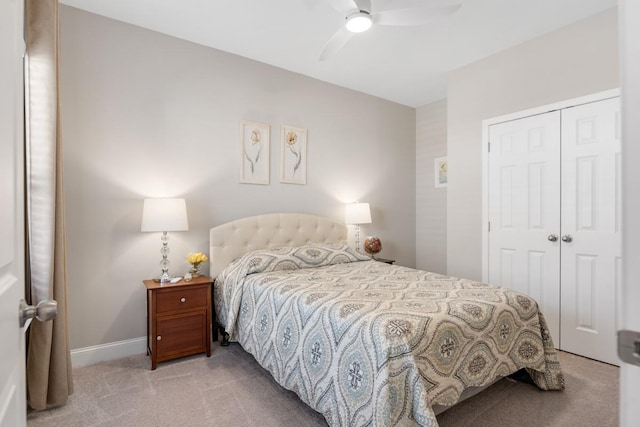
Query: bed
364, 342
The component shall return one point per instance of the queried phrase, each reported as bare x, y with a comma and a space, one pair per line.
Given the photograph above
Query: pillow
293, 258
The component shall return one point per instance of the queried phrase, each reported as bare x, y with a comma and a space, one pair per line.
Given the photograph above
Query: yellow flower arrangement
196, 258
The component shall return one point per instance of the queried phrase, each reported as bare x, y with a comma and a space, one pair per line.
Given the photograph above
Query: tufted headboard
233, 239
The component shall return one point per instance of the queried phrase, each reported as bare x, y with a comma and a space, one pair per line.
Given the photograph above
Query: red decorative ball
372, 245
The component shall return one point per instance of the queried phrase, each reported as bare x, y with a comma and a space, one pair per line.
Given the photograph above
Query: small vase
195, 270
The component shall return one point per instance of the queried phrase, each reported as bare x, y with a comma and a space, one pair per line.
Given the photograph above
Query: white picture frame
254, 152
293, 155
440, 167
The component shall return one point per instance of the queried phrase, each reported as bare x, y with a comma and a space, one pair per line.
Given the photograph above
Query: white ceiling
407, 65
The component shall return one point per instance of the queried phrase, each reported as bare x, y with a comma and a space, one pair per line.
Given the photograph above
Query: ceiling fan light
358, 22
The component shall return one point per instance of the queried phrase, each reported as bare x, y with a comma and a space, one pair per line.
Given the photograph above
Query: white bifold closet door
591, 219
554, 213
524, 210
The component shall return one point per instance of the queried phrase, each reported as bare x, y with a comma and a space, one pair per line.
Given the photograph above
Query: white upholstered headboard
233, 239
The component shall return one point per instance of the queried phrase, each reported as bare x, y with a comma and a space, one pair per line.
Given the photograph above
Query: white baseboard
109, 351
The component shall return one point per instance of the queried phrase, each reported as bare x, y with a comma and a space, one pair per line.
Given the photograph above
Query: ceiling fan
359, 17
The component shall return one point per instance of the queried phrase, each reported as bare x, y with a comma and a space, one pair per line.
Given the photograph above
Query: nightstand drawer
181, 299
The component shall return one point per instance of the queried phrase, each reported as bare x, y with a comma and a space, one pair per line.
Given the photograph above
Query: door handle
552, 237
44, 311
629, 347
567, 238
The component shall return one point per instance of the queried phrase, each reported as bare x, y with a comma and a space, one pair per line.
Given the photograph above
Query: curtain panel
49, 380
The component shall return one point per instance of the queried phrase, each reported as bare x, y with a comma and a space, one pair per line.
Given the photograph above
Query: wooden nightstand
178, 319
385, 260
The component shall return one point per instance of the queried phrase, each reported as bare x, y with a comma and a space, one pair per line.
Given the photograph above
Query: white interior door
524, 206
591, 223
629, 16
12, 369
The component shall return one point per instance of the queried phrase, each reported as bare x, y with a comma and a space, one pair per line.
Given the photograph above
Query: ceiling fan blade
343, 6
363, 5
335, 43
413, 16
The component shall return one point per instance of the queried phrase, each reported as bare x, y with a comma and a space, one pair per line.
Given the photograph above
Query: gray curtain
49, 381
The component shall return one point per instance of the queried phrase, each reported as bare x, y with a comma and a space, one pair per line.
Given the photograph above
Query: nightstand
385, 260
178, 319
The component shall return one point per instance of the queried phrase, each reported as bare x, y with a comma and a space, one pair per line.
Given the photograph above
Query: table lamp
164, 214
356, 214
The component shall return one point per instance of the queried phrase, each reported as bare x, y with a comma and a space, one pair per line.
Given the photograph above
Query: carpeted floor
230, 389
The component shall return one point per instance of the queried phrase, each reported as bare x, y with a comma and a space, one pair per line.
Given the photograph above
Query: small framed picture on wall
440, 166
254, 151
293, 152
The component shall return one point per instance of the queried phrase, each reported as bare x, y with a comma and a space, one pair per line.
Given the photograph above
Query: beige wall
431, 202
144, 114
576, 60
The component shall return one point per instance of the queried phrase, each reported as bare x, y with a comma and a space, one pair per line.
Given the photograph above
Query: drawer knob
183, 299
159, 337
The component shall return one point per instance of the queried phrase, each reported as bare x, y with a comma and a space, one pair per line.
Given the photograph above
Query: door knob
567, 238
44, 311
552, 238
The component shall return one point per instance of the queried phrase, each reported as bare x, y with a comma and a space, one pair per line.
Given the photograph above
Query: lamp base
164, 263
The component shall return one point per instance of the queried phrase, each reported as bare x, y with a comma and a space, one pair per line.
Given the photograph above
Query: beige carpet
230, 389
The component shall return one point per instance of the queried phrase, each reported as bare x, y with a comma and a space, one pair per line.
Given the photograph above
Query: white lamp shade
164, 214
357, 213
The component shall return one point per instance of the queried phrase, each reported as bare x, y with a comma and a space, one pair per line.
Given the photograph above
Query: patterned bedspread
365, 342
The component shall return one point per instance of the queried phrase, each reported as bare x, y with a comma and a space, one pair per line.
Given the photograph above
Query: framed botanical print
293, 155
440, 166
254, 140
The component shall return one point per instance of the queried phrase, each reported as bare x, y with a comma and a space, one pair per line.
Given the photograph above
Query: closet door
524, 210
591, 220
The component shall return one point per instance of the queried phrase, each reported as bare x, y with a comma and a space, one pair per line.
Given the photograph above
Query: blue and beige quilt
367, 343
